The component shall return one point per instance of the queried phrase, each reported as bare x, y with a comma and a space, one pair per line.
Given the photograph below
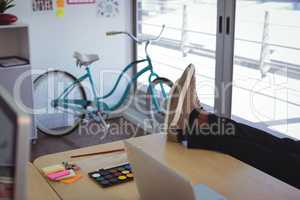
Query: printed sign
42, 5
80, 1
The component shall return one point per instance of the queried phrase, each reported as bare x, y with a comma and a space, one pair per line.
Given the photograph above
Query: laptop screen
7, 154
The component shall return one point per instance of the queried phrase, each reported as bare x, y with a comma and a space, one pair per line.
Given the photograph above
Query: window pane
190, 37
266, 90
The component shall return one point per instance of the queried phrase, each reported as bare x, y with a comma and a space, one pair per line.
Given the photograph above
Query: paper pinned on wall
108, 8
60, 8
60, 4
80, 1
42, 5
60, 12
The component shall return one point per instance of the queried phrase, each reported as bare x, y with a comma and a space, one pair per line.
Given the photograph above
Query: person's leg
280, 165
259, 136
278, 157
250, 145
202, 120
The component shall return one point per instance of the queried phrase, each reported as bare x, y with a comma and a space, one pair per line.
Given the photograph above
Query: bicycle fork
97, 115
101, 120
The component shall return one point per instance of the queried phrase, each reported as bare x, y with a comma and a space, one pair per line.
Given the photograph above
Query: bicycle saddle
85, 59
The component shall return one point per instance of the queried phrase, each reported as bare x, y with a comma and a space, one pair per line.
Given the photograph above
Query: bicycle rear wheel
157, 110
52, 119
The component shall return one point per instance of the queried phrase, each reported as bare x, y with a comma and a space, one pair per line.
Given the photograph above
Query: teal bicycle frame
97, 102
78, 104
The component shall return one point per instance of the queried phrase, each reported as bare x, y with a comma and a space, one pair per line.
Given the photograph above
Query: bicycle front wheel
54, 118
157, 99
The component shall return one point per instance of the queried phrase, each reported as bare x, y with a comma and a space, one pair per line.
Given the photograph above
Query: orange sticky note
72, 180
60, 4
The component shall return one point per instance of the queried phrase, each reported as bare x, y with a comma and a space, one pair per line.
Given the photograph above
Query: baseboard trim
138, 119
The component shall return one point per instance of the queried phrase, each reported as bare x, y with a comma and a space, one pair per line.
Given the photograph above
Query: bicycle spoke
61, 119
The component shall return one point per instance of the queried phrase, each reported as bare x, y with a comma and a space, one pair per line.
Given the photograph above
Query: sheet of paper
60, 12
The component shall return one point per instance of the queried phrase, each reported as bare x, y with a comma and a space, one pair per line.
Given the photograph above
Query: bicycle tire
157, 118
83, 95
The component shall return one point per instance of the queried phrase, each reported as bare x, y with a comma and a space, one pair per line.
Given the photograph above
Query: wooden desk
37, 187
225, 174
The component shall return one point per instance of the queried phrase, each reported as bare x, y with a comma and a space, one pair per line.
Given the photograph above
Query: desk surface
225, 174
37, 186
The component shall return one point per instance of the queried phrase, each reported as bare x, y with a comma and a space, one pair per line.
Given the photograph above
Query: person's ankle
203, 117
198, 117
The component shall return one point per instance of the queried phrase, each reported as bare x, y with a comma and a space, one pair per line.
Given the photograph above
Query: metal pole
136, 29
184, 33
163, 6
265, 47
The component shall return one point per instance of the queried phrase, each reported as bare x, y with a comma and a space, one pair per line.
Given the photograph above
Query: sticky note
60, 4
52, 169
71, 175
60, 12
71, 180
57, 175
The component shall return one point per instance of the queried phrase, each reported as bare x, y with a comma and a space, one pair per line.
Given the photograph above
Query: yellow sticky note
53, 169
60, 12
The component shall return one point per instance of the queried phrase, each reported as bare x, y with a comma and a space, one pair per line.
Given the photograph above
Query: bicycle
69, 108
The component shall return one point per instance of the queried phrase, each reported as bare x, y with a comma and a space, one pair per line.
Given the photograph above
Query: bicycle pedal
85, 121
107, 126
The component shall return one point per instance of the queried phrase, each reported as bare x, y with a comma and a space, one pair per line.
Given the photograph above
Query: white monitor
15, 127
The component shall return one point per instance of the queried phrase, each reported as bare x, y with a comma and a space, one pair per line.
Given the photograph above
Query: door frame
224, 57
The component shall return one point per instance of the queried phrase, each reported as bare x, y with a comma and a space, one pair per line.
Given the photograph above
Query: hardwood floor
87, 135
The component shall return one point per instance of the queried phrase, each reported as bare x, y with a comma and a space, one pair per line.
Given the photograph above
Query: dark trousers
277, 157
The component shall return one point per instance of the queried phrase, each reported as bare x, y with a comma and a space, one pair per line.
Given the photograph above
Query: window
189, 37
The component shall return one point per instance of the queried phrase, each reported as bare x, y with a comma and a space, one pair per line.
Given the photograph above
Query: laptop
155, 180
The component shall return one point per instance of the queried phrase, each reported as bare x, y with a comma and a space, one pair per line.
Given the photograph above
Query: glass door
266, 72
190, 37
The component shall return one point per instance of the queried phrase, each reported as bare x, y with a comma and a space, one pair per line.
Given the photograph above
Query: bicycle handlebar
111, 33
160, 34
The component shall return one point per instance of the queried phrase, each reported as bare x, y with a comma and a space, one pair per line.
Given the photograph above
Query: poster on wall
80, 1
108, 8
42, 5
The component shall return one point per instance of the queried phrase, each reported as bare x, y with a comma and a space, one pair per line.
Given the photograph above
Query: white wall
54, 39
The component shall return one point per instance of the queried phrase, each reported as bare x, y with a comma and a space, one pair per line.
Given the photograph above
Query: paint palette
112, 176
